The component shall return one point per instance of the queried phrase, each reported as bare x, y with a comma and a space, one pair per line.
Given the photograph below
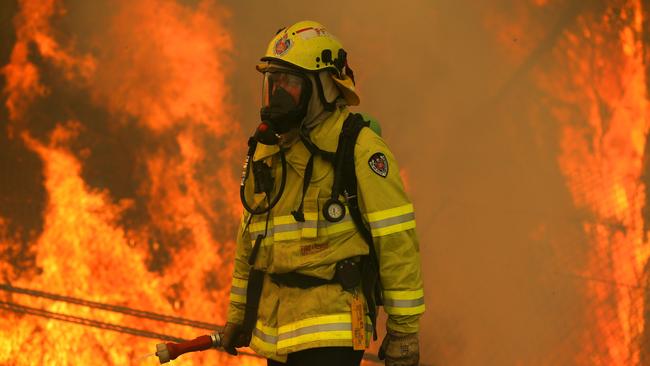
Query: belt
295, 279
347, 274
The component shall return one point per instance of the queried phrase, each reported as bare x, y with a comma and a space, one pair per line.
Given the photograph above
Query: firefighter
301, 290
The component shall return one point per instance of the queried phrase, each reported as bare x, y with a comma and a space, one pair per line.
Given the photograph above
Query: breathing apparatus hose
252, 145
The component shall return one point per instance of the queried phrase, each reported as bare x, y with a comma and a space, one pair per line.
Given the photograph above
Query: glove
233, 337
400, 349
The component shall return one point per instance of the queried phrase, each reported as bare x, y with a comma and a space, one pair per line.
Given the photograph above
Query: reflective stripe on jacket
293, 319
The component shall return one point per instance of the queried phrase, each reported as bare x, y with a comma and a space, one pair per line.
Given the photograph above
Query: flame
601, 103
155, 80
22, 76
595, 89
602, 160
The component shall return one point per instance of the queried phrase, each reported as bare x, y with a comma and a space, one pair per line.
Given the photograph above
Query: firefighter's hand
233, 337
400, 349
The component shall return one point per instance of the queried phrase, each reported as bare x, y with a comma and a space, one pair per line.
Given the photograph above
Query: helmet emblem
282, 45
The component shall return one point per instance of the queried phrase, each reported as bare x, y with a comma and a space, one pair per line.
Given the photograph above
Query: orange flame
602, 144
158, 71
595, 89
603, 164
22, 76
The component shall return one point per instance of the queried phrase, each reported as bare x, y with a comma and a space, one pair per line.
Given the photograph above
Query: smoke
453, 86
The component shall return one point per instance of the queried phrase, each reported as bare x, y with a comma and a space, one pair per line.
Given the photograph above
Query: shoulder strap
345, 158
346, 170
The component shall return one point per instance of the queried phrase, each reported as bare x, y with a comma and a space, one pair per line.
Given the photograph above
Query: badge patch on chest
379, 164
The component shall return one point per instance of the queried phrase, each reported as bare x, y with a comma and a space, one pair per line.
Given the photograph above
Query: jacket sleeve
240, 274
391, 218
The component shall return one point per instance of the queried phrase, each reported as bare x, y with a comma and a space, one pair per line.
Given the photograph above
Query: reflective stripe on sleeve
391, 221
404, 302
238, 290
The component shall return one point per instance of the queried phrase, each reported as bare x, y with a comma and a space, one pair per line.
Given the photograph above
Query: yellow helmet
307, 45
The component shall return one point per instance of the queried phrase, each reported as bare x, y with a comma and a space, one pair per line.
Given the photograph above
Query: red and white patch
379, 164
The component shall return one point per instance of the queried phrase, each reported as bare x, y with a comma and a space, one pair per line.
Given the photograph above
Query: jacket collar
325, 135
264, 151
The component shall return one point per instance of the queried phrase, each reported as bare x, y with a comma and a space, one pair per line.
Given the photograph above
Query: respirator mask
285, 96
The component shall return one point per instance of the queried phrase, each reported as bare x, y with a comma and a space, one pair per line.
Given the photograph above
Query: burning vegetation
598, 93
591, 71
119, 188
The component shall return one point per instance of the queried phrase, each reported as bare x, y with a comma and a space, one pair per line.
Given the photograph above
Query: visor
293, 84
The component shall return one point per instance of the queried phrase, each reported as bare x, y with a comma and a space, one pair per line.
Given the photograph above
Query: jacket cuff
403, 323
235, 313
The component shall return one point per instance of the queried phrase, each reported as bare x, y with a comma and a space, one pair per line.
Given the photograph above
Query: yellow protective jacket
293, 319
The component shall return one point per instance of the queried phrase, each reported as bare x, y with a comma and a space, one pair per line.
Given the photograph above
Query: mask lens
290, 83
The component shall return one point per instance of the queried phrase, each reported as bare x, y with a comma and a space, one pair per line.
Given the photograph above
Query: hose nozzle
169, 351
